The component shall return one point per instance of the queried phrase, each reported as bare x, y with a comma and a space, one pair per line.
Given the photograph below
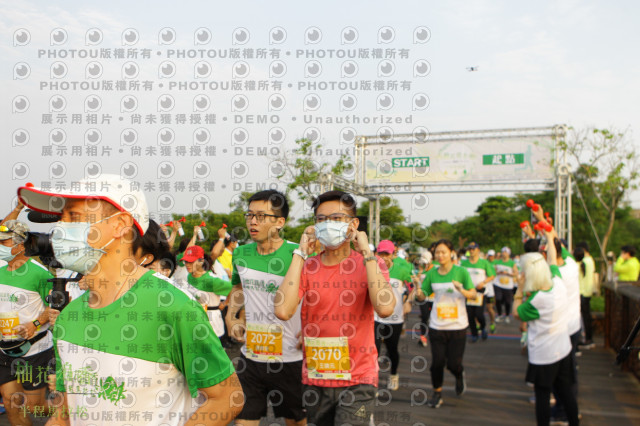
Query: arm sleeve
489, 269
235, 276
467, 283
196, 350
528, 312
426, 284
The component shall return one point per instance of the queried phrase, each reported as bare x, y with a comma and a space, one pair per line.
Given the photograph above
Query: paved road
496, 393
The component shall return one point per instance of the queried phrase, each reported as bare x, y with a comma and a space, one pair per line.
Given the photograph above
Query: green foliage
302, 169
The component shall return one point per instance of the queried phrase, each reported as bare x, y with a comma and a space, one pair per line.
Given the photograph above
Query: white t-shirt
547, 317
571, 276
268, 338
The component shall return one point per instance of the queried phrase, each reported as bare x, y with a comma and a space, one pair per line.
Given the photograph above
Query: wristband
300, 253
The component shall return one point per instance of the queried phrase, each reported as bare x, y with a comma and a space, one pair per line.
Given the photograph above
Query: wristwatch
372, 257
300, 253
37, 324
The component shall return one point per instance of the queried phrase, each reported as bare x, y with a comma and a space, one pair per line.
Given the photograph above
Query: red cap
182, 220
203, 224
224, 225
193, 253
530, 203
385, 246
524, 224
535, 207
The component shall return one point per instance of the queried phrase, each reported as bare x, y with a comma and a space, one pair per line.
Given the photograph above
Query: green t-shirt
144, 355
398, 275
207, 282
479, 271
449, 311
23, 291
260, 277
502, 280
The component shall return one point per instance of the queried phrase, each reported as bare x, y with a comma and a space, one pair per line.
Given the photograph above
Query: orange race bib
8, 320
328, 358
447, 311
264, 342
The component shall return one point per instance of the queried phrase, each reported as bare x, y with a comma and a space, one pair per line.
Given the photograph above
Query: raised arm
288, 295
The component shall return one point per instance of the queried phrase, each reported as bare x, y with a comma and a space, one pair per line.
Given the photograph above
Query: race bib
447, 311
264, 342
328, 358
504, 280
432, 297
477, 301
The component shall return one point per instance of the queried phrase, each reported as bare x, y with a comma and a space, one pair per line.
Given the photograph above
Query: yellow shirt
627, 270
225, 259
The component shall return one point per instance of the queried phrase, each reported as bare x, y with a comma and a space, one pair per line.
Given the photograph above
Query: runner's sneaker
474, 339
436, 400
552, 400
461, 384
492, 328
587, 345
394, 382
507, 319
558, 421
484, 334
500, 318
423, 341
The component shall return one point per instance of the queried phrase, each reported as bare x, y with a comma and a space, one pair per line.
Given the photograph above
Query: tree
606, 164
302, 168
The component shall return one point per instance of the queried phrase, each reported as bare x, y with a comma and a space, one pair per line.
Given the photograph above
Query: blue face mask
71, 246
331, 233
5, 253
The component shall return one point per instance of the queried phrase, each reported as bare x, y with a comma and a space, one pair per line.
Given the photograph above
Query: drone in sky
471, 69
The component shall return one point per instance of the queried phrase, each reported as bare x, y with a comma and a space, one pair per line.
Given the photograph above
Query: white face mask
71, 246
331, 234
5, 253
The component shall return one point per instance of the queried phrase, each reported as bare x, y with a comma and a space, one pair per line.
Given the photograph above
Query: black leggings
562, 379
425, 312
476, 313
447, 347
585, 309
503, 296
390, 334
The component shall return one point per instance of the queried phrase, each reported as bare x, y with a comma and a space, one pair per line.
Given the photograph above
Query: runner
424, 265
339, 289
549, 345
134, 348
26, 352
271, 357
209, 290
587, 281
482, 274
448, 324
506, 271
389, 329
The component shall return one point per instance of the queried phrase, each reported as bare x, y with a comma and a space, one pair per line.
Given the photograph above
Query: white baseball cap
110, 188
491, 252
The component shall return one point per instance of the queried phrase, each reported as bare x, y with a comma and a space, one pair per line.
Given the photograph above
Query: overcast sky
538, 64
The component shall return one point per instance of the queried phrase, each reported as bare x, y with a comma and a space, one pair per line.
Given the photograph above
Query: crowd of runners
143, 339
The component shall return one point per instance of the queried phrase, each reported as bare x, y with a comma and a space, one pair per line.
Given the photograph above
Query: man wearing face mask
340, 289
23, 289
137, 347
